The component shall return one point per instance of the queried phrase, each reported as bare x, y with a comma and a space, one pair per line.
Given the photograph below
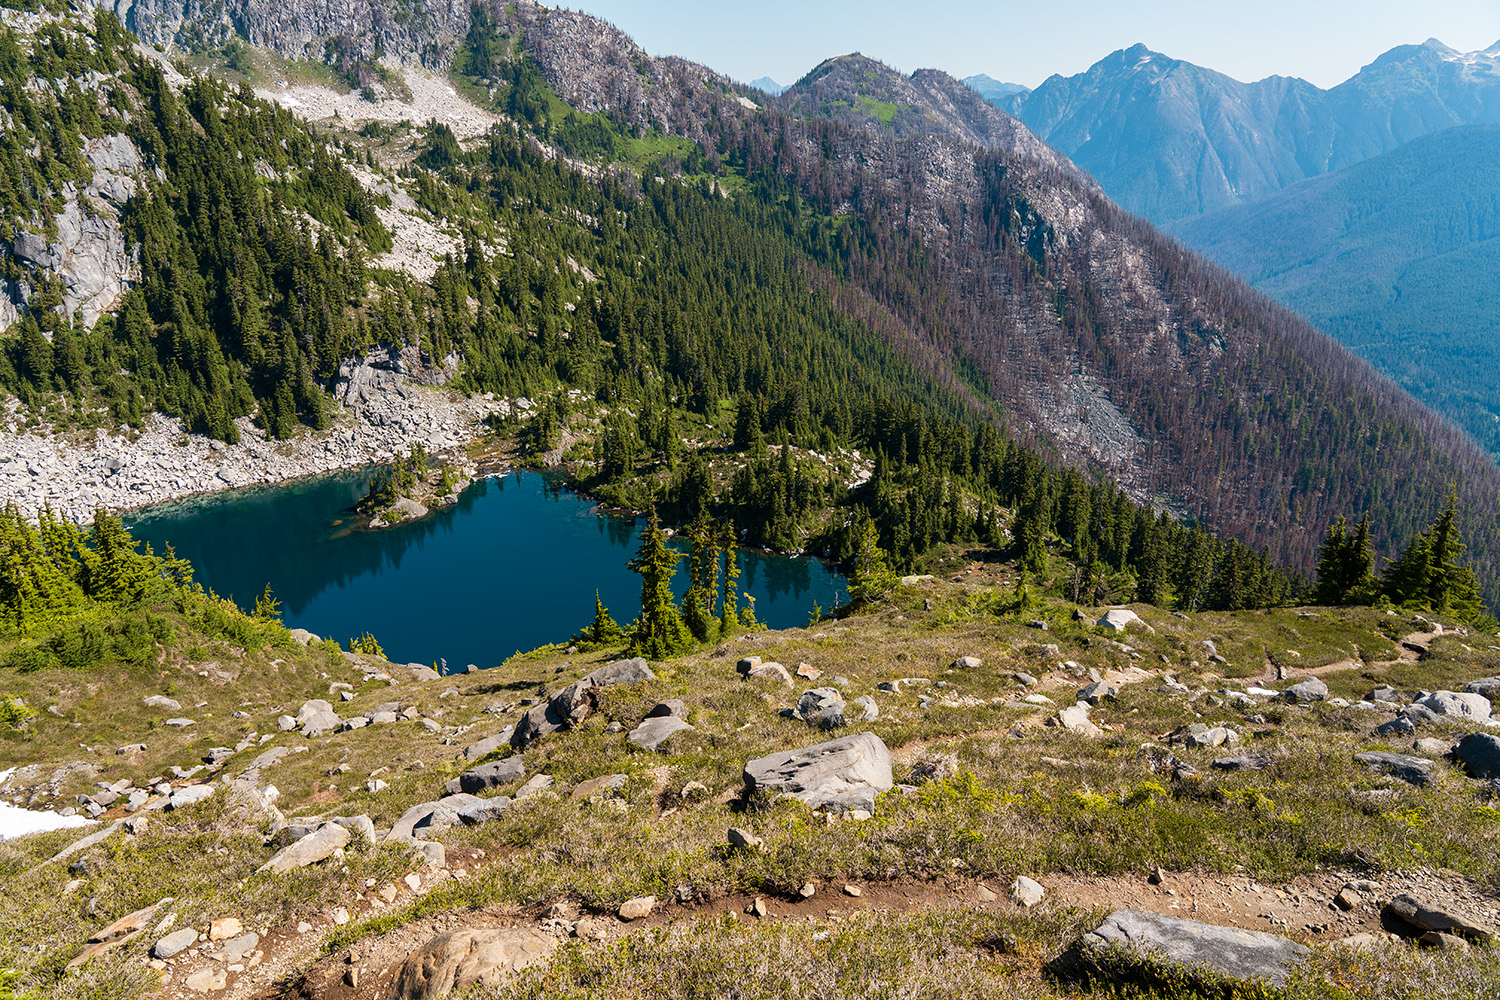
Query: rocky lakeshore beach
382, 405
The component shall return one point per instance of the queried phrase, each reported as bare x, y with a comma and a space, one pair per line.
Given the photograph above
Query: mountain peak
768, 85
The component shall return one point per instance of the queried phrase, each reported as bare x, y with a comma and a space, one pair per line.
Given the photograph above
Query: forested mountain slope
899, 281
1168, 139
1100, 336
1398, 257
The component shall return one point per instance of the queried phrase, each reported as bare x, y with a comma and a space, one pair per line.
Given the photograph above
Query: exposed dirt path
1412, 647
1303, 909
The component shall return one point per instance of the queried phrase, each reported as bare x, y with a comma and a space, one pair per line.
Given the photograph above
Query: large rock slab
175, 942
1225, 952
567, 707
656, 730
188, 795
1428, 913
1462, 704
316, 846
321, 722
1119, 619
1412, 770
845, 773
822, 707
484, 810
485, 747
633, 671
312, 707
1478, 754
461, 959
1075, 719
487, 776
1311, 689
430, 817
1489, 687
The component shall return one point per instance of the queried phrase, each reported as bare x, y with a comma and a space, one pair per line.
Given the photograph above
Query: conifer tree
659, 631
32, 588
872, 577
121, 573
729, 607
603, 630
1345, 564
703, 574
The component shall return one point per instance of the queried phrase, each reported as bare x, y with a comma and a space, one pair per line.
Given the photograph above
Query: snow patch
18, 822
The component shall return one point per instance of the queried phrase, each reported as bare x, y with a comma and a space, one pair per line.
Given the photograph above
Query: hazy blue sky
1325, 41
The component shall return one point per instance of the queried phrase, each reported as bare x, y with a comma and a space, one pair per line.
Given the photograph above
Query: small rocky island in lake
411, 488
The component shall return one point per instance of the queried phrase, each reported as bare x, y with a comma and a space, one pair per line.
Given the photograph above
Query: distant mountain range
767, 84
1398, 257
1169, 139
993, 90
919, 231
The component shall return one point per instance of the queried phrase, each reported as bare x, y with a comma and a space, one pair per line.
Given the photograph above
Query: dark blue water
512, 566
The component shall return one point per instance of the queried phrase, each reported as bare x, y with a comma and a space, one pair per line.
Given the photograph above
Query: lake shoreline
378, 412
513, 565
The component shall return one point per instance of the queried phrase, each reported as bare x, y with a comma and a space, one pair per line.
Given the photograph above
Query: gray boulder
1399, 726
1118, 619
870, 710
1464, 705
319, 723
1075, 719
312, 707
769, 672
1242, 956
1488, 687
1199, 734
656, 730
846, 773
461, 959
1427, 913
430, 817
1420, 715
1094, 693
823, 707
316, 846
1412, 770
422, 672
633, 671
161, 701
485, 747
189, 795
568, 707
484, 810
174, 943
487, 776
1478, 754
1311, 689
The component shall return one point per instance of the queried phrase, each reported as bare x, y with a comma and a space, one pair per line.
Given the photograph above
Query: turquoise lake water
512, 566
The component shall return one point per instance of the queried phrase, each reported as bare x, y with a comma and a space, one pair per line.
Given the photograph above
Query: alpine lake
513, 565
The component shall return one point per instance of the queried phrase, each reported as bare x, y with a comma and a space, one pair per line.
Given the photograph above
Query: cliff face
298, 29
87, 253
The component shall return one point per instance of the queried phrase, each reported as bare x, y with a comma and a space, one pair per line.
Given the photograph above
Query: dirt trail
1412, 647
1303, 909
